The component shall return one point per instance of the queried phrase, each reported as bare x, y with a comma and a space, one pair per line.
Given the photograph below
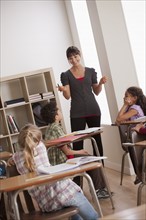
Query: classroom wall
35, 35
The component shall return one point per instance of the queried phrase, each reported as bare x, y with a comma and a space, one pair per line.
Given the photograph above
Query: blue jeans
86, 210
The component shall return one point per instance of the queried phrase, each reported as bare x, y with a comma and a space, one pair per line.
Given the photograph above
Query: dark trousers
80, 124
136, 158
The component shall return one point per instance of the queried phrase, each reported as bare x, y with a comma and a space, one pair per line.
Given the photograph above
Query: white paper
88, 130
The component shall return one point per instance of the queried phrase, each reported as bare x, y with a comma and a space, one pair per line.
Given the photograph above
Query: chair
3, 174
143, 182
124, 138
29, 209
138, 158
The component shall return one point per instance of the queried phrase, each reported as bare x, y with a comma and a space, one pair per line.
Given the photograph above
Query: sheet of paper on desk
88, 130
70, 164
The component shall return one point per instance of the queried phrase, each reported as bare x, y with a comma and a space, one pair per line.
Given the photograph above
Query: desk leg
14, 195
107, 186
143, 183
103, 173
92, 191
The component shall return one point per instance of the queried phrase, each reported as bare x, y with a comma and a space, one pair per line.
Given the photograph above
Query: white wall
35, 35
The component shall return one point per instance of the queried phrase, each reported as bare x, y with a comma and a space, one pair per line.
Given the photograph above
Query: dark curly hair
71, 51
49, 111
141, 98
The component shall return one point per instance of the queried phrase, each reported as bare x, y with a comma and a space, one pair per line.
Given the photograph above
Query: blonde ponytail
28, 139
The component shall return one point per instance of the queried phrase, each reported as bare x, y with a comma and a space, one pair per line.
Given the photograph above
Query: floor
125, 196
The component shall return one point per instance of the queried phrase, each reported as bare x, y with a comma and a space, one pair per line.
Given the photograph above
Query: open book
88, 130
70, 164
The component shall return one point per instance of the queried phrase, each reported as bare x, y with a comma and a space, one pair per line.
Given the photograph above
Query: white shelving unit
23, 86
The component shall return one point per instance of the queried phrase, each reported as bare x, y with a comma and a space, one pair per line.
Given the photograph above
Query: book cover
12, 124
64, 139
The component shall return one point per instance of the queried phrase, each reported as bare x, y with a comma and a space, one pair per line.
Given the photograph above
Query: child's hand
138, 126
83, 152
127, 101
10, 162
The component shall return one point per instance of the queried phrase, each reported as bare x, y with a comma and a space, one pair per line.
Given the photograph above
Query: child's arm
68, 151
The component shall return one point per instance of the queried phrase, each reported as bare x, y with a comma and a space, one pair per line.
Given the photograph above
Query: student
52, 116
53, 196
80, 84
134, 105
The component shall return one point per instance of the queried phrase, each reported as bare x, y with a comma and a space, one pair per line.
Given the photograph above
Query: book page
56, 169
88, 130
84, 159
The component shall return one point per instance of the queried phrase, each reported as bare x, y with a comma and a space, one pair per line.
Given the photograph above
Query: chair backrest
29, 208
123, 133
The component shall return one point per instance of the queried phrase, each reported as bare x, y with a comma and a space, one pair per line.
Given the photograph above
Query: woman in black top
80, 84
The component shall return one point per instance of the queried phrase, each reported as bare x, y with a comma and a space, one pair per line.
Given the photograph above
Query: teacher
80, 84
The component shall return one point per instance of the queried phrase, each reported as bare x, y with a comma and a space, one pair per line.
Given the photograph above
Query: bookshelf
19, 94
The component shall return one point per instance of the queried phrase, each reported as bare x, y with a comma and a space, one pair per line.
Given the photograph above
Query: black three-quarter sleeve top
83, 102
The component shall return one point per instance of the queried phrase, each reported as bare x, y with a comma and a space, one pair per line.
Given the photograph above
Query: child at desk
133, 108
52, 116
53, 196
134, 105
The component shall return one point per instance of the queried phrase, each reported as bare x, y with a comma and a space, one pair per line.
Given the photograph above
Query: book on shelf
48, 95
35, 97
12, 124
14, 101
70, 164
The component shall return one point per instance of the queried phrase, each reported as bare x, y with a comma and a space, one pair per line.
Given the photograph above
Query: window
89, 51
134, 12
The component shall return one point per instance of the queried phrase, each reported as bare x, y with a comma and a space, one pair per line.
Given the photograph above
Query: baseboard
117, 167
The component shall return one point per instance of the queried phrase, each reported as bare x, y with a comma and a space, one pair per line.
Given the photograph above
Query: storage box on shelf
20, 95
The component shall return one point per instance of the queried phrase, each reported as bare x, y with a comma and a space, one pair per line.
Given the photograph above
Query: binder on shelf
14, 101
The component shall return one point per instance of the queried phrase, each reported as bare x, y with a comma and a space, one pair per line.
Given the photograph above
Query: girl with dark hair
133, 108
134, 105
